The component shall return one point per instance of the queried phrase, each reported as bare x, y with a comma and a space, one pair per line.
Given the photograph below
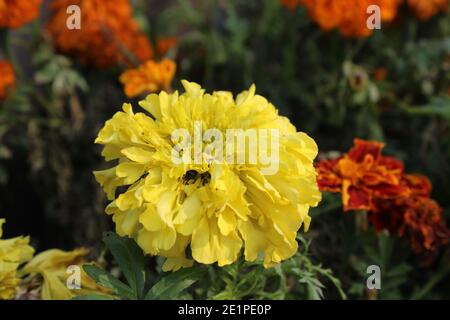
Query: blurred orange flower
425, 9
150, 77
15, 13
7, 78
291, 4
380, 74
109, 34
163, 45
362, 175
349, 16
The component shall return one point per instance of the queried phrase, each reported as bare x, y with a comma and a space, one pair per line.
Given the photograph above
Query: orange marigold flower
291, 4
15, 13
425, 9
380, 74
150, 77
362, 175
7, 78
163, 45
349, 16
108, 36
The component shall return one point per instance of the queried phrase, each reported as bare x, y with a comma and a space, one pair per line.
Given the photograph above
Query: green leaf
438, 106
422, 291
93, 297
399, 270
130, 259
336, 282
104, 279
314, 290
171, 286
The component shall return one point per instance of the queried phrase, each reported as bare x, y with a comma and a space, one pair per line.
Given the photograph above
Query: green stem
430, 284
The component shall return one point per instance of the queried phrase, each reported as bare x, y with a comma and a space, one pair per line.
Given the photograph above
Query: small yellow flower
52, 265
13, 252
214, 208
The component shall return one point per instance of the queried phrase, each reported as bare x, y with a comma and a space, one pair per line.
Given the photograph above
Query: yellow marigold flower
52, 266
425, 9
14, 13
150, 77
216, 208
7, 79
13, 252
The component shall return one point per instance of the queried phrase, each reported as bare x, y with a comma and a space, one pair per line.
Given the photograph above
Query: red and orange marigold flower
150, 77
395, 201
109, 34
362, 175
7, 78
15, 13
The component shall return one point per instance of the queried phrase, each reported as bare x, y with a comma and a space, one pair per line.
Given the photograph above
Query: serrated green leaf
171, 286
399, 270
104, 279
130, 259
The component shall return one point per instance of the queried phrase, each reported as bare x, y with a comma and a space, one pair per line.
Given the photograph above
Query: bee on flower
206, 211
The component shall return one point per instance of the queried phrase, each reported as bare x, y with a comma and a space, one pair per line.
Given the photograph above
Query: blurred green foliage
393, 87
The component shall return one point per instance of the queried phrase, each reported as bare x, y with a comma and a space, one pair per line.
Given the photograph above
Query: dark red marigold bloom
397, 202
